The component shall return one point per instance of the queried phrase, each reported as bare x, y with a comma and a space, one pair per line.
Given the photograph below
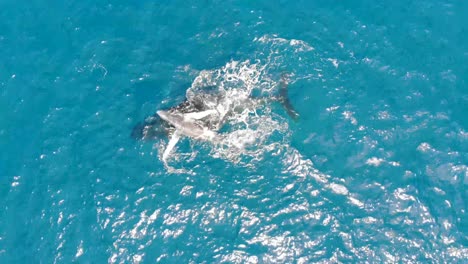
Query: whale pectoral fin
174, 139
199, 115
284, 98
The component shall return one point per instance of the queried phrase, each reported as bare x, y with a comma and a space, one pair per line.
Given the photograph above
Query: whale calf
186, 125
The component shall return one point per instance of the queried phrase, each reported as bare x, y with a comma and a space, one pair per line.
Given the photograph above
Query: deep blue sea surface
374, 170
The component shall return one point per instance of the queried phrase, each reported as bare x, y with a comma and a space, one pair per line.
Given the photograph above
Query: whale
200, 118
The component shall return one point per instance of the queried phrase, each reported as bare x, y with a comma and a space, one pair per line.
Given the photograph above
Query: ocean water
374, 170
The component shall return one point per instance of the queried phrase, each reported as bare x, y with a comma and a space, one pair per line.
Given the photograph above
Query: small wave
299, 45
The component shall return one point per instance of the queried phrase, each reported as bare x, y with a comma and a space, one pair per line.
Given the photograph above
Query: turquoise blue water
375, 169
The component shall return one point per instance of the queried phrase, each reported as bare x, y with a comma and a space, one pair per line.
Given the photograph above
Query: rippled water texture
375, 169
